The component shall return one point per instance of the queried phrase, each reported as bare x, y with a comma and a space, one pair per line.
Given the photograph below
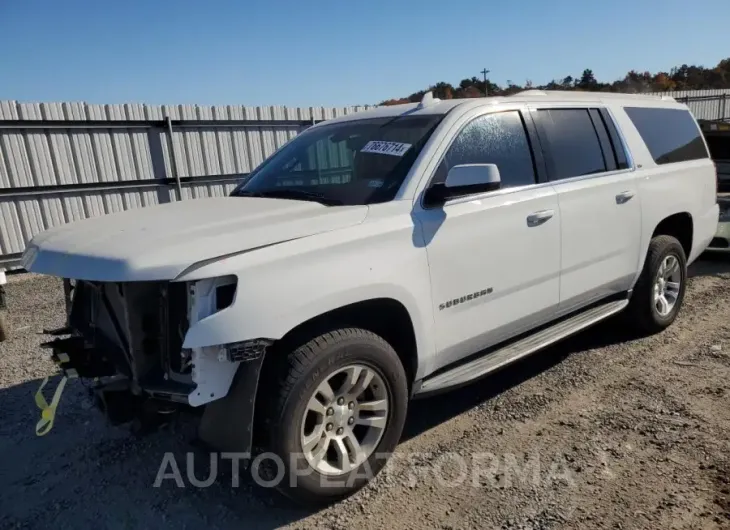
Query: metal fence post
159, 170
173, 159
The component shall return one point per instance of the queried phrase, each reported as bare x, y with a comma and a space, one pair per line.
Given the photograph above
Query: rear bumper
721, 241
705, 228
721, 238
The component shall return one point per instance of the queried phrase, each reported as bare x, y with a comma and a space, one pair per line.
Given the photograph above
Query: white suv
381, 256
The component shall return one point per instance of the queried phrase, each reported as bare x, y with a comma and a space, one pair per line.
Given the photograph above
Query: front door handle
624, 197
538, 218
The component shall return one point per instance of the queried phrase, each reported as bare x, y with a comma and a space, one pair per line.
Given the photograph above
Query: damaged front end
128, 338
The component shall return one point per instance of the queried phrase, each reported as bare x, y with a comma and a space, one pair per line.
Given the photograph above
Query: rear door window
671, 135
571, 143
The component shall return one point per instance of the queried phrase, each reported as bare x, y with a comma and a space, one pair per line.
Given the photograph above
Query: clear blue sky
334, 52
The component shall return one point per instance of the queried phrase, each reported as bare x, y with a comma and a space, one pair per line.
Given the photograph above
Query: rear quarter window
671, 135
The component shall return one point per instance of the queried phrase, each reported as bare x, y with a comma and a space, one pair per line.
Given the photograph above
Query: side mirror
465, 179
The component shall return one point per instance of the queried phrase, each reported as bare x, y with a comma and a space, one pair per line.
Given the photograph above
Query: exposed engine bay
128, 338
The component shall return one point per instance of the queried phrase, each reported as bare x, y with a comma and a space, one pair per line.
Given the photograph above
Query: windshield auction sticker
385, 148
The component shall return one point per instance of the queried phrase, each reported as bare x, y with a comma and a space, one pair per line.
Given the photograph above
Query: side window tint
498, 139
609, 158
619, 150
571, 143
670, 134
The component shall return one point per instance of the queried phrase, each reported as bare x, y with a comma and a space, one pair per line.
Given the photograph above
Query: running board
515, 351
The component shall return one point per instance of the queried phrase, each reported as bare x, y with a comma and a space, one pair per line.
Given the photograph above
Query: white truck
382, 256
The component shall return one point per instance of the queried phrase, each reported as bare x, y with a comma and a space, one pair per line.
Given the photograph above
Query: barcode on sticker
385, 148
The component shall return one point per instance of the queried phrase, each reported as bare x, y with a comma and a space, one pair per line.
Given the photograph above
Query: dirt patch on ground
601, 431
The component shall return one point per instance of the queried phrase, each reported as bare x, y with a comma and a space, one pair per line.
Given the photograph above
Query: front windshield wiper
294, 194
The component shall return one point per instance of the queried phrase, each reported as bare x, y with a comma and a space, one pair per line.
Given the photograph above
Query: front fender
227, 325
283, 286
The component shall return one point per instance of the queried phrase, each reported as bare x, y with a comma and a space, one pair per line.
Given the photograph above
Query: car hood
160, 242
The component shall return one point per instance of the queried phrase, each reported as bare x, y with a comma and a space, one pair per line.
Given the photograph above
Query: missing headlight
224, 295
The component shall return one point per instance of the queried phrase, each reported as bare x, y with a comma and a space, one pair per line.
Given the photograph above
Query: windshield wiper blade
294, 194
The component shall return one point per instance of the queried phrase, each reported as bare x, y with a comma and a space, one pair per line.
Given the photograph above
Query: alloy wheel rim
344, 420
667, 285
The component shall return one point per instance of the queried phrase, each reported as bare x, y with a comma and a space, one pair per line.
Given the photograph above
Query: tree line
683, 77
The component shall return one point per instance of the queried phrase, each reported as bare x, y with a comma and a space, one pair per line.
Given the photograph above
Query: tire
644, 314
307, 368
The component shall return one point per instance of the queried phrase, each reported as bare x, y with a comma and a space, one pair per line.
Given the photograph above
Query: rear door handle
538, 218
624, 196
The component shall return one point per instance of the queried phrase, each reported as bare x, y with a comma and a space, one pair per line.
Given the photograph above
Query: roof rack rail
531, 92
587, 94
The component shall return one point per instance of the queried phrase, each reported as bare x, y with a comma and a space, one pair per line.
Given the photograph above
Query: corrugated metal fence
61, 162
704, 104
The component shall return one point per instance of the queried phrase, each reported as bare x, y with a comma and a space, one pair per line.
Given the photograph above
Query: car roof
438, 107
387, 111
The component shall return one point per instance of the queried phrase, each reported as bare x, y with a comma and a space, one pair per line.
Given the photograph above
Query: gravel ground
601, 431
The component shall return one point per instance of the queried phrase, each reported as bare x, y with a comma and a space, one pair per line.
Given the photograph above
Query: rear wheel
659, 293
342, 400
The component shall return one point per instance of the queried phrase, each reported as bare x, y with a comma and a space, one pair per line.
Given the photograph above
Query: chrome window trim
516, 189
506, 191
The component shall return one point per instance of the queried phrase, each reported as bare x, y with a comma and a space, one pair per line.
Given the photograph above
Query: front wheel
659, 292
341, 406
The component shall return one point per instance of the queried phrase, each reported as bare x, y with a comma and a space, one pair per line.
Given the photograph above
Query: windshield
354, 162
